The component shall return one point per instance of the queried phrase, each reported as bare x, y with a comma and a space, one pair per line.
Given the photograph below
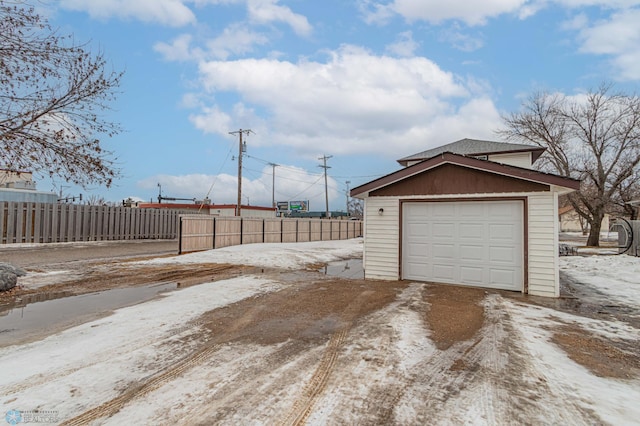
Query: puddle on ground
40, 317
351, 268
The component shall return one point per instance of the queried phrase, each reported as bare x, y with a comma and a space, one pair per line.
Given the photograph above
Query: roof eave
560, 182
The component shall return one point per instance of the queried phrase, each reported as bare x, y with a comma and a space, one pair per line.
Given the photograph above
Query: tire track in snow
303, 406
88, 362
114, 405
313, 389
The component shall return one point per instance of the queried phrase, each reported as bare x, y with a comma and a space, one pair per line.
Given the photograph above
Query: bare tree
593, 137
629, 191
356, 208
52, 94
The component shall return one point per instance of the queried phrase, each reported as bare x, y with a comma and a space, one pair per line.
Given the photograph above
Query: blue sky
364, 81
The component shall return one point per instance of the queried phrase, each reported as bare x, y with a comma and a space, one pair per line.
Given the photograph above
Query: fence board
289, 231
197, 233
304, 231
335, 230
273, 230
252, 231
228, 231
19, 218
37, 223
3, 225
45, 222
11, 223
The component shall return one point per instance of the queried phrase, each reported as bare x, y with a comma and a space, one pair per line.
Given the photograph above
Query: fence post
180, 238
215, 224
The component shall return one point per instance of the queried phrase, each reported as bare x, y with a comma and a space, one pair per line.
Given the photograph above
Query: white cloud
405, 46
459, 40
179, 49
618, 37
354, 102
236, 39
470, 12
578, 22
609, 4
291, 183
267, 11
211, 120
167, 12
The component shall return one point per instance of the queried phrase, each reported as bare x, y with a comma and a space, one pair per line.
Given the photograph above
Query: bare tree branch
595, 138
52, 94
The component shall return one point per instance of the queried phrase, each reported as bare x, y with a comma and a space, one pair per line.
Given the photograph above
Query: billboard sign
300, 206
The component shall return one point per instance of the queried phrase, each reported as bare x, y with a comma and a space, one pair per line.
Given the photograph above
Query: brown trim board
489, 166
525, 228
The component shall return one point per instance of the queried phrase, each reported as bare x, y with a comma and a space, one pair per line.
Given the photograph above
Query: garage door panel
471, 211
503, 254
503, 278
502, 210
471, 231
445, 252
418, 250
478, 243
417, 269
472, 275
442, 210
418, 230
443, 272
471, 253
443, 230
502, 231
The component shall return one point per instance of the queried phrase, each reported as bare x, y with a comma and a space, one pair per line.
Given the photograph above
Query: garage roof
475, 147
469, 162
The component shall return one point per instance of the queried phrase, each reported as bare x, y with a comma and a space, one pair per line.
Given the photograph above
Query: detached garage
455, 215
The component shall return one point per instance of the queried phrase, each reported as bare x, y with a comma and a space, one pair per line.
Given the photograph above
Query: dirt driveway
317, 349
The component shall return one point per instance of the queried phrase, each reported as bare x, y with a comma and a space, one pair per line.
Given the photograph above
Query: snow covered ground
512, 371
274, 255
617, 276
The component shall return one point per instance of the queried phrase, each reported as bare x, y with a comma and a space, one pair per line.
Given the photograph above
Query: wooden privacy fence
208, 232
51, 223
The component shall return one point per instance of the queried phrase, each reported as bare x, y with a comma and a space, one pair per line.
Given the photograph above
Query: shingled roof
474, 148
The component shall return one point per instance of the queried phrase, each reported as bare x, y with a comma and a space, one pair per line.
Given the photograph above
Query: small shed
470, 213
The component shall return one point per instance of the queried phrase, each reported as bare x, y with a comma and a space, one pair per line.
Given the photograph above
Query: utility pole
324, 158
348, 182
273, 185
242, 148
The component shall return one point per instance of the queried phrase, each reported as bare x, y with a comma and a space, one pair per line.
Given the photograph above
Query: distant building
19, 186
222, 210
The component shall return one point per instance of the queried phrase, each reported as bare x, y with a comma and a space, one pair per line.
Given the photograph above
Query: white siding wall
382, 238
543, 245
514, 159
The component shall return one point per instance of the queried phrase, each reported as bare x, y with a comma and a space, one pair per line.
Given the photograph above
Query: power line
306, 189
215, 179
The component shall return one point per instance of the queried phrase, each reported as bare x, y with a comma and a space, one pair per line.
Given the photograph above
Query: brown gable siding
452, 179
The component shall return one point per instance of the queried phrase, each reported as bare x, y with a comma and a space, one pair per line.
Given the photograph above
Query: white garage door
477, 243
